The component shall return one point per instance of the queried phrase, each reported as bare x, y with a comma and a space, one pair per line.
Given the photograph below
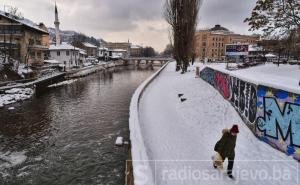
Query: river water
66, 135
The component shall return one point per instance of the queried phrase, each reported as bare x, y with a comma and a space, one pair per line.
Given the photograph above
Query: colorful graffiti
222, 83
278, 117
208, 75
272, 114
243, 98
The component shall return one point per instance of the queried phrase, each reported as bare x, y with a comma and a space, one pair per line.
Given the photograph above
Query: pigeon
183, 99
180, 95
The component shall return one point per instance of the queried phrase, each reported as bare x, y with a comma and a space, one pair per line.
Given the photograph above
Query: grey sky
140, 21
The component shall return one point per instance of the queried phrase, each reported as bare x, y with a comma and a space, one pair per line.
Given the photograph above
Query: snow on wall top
138, 149
285, 77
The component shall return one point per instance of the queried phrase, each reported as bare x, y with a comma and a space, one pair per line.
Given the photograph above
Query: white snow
89, 45
178, 138
67, 82
63, 46
24, 70
138, 148
285, 77
15, 95
119, 141
11, 108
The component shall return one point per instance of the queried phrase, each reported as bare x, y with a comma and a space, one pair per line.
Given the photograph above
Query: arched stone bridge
146, 60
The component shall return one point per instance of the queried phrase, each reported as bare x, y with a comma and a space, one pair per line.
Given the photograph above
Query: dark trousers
230, 165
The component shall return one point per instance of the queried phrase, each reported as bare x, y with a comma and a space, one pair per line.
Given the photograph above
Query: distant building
116, 54
136, 51
90, 49
67, 55
22, 39
103, 53
210, 43
118, 45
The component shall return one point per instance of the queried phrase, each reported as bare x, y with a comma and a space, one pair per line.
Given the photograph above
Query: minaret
56, 23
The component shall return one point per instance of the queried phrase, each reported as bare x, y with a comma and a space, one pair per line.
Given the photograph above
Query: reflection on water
67, 135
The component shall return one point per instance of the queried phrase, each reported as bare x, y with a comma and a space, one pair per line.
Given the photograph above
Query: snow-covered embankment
140, 157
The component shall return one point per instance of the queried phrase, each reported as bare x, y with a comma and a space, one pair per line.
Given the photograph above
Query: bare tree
275, 17
182, 15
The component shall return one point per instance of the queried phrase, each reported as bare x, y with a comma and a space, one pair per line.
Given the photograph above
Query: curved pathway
180, 136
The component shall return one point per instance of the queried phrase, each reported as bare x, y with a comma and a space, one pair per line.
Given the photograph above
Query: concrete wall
272, 114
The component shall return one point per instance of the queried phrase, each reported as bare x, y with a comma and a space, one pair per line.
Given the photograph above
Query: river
66, 135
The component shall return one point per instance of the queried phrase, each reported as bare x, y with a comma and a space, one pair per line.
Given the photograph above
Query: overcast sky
140, 21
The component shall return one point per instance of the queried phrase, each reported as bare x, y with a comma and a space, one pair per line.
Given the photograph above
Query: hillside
67, 36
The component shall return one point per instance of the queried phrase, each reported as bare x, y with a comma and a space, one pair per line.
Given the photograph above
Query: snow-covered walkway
180, 136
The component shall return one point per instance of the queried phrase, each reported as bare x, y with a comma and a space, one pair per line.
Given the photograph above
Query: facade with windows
23, 40
119, 46
136, 51
67, 55
90, 49
210, 43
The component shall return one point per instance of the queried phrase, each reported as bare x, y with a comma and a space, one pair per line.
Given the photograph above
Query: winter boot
230, 175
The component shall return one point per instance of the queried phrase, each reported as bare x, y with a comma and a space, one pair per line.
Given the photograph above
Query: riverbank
22, 89
180, 132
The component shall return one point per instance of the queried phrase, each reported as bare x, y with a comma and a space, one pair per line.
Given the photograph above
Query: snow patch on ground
15, 95
67, 82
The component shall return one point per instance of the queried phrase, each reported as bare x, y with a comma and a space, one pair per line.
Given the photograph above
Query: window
68, 53
58, 53
204, 44
39, 54
32, 54
31, 42
213, 44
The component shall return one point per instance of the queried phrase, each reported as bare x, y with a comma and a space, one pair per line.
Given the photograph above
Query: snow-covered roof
135, 47
63, 46
24, 21
82, 51
118, 50
89, 45
255, 48
269, 55
103, 48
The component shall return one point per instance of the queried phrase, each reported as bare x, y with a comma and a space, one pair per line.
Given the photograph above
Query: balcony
38, 47
11, 29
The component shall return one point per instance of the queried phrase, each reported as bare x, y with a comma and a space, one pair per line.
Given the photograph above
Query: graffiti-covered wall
272, 114
243, 98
